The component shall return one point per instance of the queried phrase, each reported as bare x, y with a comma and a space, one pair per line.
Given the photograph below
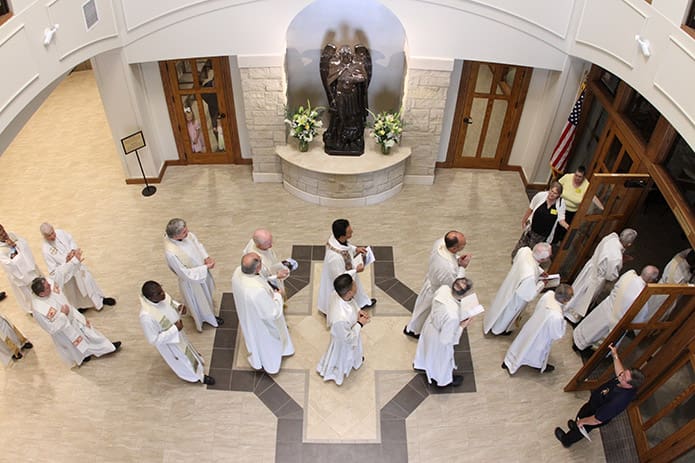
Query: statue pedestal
341, 181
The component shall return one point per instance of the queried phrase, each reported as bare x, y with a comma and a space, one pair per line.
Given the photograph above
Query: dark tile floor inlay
289, 446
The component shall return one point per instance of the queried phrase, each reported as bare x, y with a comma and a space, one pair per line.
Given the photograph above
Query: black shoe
506, 333
369, 306
572, 425
3, 295
559, 435
504, 366
571, 323
457, 381
549, 368
410, 333
82, 309
209, 380
17, 356
117, 345
576, 348
27, 345
109, 301
87, 359
219, 321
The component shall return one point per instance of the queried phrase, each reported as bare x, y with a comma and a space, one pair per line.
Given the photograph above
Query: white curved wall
438, 31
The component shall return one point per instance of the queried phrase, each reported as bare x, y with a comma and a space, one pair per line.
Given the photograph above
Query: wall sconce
643, 45
48, 34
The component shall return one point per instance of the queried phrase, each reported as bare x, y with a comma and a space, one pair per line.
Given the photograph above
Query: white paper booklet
470, 307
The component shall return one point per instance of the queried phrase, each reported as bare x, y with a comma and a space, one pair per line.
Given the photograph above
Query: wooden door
616, 196
490, 100
201, 108
614, 154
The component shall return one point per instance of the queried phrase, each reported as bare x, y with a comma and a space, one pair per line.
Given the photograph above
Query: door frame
178, 122
464, 100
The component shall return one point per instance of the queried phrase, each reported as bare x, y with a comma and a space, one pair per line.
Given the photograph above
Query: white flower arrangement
305, 123
387, 128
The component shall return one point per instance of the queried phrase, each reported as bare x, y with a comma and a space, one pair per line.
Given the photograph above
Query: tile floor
63, 168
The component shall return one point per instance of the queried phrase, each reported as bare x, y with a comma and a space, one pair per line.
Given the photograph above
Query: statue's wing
324, 68
363, 55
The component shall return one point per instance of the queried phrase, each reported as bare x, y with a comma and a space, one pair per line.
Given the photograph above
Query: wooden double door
201, 108
490, 100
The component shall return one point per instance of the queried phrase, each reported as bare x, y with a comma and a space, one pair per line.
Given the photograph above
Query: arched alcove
346, 22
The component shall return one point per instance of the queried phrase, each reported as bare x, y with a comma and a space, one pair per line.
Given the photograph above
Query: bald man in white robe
605, 265
532, 345
591, 332
66, 267
262, 321
521, 285
18, 262
678, 271
273, 269
444, 267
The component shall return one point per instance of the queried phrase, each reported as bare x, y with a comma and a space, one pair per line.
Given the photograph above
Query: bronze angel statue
345, 76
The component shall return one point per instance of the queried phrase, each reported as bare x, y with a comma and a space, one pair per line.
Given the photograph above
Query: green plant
387, 128
305, 123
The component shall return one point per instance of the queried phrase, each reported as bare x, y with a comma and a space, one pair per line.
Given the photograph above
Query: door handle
468, 120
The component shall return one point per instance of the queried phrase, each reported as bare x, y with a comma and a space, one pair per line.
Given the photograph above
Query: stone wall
424, 102
264, 103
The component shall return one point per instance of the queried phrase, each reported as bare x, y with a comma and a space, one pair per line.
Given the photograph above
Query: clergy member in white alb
161, 321
521, 286
598, 324
604, 265
273, 269
345, 321
532, 345
678, 271
12, 341
66, 267
75, 338
445, 266
259, 308
189, 260
18, 261
442, 331
340, 258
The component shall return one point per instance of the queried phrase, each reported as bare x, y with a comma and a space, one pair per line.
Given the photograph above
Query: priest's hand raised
179, 325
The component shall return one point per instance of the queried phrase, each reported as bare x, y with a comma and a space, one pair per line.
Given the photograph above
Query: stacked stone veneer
265, 101
425, 99
343, 186
264, 104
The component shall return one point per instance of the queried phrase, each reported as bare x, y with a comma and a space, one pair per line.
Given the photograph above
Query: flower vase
385, 149
303, 146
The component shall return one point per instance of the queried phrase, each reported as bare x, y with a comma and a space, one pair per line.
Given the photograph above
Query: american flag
558, 160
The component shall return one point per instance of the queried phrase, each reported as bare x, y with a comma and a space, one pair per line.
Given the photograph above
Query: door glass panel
184, 74
494, 128
206, 73
509, 75
642, 114
470, 146
668, 392
484, 82
625, 164
194, 127
588, 139
612, 154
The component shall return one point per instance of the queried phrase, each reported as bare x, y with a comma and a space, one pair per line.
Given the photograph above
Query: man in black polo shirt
605, 403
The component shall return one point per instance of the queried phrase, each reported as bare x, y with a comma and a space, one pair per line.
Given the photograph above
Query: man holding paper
343, 257
160, 317
274, 270
532, 346
605, 403
445, 266
522, 284
452, 311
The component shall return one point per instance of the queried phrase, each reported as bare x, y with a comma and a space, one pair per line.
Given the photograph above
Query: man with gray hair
259, 307
605, 265
66, 267
591, 332
274, 270
522, 284
532, 345
189, 260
